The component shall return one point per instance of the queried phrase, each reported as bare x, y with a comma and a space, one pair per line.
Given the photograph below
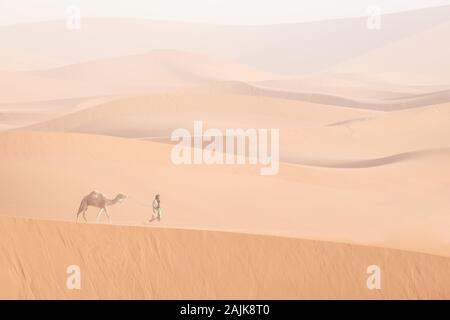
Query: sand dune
350, 85
377, 137
155, 116
159, 114
22, 87
272, 48
350, 96
392, 102
156, 70
417, 59
310, 134
160, 70
45, 175
169, 71
377, 162
22, 114
151, 263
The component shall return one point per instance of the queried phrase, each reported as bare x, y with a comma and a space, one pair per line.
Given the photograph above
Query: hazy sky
205, 11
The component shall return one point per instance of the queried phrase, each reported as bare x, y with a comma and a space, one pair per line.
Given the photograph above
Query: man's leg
153, 215
159, 214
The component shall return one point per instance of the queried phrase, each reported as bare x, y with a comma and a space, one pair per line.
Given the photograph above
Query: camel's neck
111, 202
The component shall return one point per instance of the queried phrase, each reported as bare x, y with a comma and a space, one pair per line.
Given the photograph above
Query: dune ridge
353, 135
180, 109
161, 70
416, 59
154, 70
107, 38
153, 265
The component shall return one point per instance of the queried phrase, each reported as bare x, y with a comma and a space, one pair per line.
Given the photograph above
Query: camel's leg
84, 215
81, 209
99, 214
106, 212
78, 214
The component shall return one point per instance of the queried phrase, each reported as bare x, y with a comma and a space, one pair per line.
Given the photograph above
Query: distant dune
156, 70
301, 48
158, 114
343, 85
394, 101
162, 70
23, 114
419, 59
151, 263
379, 136
352, 135
22, 87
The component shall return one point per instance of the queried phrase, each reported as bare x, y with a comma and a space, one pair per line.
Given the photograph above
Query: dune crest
33, 46
155, 70
153, 265
418, 59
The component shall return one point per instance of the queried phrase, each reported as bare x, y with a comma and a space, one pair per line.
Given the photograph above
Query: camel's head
121, 197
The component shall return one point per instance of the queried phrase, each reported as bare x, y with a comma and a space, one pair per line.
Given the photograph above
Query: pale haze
231, 12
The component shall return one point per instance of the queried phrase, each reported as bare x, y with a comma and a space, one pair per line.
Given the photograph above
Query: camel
98, 200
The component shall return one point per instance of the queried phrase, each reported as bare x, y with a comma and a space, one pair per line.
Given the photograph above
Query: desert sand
364, 149
162, 263
290, 203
